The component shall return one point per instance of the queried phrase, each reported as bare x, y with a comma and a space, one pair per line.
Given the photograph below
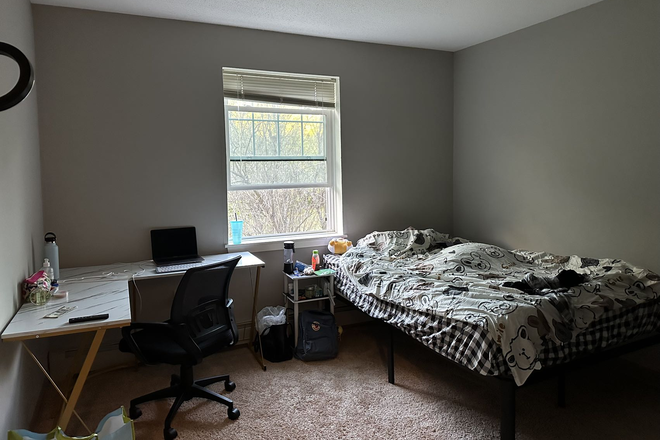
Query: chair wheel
175, 380
169, 433
134, 412
233, 413
230, 386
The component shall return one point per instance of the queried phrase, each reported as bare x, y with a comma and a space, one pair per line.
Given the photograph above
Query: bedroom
545, 139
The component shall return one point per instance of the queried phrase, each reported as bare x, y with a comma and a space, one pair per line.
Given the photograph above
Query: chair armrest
178, 334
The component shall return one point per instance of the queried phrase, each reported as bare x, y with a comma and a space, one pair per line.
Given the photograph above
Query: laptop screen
173, 244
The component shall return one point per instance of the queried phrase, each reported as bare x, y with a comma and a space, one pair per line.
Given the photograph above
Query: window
283, 163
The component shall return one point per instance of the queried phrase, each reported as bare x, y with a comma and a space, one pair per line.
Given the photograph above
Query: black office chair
201, 323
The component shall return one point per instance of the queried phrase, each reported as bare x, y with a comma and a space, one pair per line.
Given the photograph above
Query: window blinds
281, 88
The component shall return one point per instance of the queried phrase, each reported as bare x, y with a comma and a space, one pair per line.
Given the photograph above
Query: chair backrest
200, 301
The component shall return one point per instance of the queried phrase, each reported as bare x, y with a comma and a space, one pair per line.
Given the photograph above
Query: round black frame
25, 78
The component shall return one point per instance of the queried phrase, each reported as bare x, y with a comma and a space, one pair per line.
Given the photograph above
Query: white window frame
334, 210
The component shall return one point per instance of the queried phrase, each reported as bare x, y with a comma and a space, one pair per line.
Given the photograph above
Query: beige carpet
349, 398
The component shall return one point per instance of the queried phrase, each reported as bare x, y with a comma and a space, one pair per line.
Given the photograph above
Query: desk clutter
42, 286
299, 267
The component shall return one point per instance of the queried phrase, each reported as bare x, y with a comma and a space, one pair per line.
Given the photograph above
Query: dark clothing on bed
534, 285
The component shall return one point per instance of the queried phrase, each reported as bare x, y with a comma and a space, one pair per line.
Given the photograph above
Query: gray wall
21, 227
132, 130
557, 140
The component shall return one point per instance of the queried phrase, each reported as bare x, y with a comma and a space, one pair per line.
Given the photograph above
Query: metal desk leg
332, 294
253, 325
82, 377
390, 357
295, 324
295, 313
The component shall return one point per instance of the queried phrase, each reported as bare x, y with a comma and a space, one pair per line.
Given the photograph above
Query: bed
502, 313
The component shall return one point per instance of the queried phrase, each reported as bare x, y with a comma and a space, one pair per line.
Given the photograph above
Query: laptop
174, 246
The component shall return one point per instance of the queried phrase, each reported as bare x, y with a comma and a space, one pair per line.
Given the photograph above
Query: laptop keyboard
176, 267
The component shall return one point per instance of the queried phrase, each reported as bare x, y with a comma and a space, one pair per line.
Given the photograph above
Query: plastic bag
114, 426
269, 316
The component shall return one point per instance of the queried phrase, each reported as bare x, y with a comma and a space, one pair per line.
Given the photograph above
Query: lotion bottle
48, 270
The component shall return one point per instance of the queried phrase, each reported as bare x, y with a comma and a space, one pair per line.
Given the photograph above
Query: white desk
95, 290
91, 298
147, 269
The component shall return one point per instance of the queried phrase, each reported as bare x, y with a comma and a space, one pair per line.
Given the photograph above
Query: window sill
276, 244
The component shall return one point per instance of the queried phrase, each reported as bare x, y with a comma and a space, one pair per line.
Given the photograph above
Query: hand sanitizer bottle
48, 270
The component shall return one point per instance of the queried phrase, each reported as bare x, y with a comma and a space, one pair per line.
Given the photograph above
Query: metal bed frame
508, 387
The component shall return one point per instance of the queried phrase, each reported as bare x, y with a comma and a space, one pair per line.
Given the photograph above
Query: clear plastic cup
237, 231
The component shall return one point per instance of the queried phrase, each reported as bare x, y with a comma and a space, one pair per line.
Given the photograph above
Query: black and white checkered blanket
471, 343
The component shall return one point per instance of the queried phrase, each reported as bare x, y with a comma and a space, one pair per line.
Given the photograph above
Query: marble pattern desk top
90, 297
95, 290
147, 269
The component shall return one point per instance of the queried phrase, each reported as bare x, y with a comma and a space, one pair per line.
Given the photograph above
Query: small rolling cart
294, 294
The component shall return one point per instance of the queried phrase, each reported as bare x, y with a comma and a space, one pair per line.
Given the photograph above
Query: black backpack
317, 336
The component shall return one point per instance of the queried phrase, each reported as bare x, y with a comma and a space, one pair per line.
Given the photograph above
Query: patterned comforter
455, 285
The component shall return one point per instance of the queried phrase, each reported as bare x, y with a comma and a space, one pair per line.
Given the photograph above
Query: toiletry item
48, 270
51, 251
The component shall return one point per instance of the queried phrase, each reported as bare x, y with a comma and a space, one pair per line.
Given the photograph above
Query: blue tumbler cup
237, 231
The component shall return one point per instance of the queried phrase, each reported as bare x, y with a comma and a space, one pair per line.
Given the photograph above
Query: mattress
418, 281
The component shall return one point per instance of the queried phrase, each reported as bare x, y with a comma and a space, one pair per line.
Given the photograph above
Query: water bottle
53, 254
289, 249
316, 260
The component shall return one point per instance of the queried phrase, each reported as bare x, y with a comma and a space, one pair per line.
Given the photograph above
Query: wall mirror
25, 77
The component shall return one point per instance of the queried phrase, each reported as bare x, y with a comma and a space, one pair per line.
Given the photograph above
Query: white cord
137, 289
130, 272
108, 274
139, 295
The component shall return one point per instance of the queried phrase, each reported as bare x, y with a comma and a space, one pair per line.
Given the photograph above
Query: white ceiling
432, 24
